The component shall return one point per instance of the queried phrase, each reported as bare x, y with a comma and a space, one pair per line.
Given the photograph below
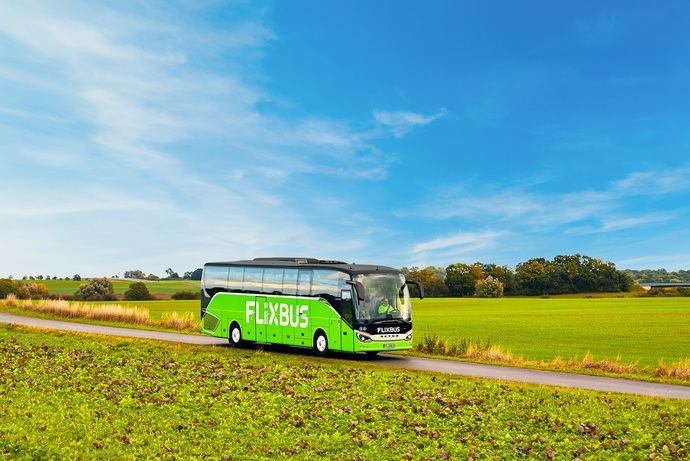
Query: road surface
525, 375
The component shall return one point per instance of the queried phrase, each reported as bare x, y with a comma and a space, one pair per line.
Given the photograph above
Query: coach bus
310, 303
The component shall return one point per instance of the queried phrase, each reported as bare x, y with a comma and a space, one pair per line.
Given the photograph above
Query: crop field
162, 287
76, 396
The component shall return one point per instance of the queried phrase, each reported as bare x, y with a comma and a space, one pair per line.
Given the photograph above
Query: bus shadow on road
302, 352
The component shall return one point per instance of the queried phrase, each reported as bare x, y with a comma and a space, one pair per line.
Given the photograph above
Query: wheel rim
321, 343
235, 335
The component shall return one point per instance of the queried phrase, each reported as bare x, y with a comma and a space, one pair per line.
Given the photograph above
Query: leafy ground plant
77, 396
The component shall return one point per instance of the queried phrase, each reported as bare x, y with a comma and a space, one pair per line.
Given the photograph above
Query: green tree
532, 276
138, 291
76, 278
193, 275
461, 278
172, 274
503, 274
7, 287
432, 278
95, 290
488, 288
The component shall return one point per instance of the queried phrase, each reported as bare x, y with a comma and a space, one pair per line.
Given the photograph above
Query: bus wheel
235, 336
372, 353
321, 344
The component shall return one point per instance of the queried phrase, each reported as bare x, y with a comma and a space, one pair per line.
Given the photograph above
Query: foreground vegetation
126, 399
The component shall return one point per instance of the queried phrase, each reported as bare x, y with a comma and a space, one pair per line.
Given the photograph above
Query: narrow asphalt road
524, 375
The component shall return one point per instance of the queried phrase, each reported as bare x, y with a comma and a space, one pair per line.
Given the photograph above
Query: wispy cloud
400, 123
168, 113
447, 248
606, 206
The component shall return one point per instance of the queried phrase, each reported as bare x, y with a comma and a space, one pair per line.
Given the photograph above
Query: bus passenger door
334, 335
260, 318
347, 309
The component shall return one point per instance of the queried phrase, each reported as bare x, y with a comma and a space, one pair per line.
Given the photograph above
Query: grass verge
117, 315
81, 396
488, 352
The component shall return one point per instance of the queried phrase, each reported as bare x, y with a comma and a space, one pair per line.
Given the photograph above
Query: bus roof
309, 263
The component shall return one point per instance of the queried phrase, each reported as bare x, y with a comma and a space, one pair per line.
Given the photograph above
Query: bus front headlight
408, 337
363, 338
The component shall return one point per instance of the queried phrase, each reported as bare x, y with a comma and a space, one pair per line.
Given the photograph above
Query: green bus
310, 303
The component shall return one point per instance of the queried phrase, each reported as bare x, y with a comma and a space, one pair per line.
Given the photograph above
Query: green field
79, 397
642, 330
639, 330
162, 287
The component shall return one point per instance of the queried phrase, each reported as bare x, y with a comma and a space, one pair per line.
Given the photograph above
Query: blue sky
149, 135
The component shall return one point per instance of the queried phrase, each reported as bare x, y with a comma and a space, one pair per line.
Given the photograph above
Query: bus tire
235, 336
320, 344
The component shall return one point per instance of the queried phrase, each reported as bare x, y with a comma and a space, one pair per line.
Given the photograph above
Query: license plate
388, 346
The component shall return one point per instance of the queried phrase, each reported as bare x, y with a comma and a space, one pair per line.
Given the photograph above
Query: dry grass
435, 345
179, 322
679, 370
475, 350
107, 312
10, 300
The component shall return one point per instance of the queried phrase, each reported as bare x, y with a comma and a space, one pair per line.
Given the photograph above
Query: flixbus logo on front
282, 314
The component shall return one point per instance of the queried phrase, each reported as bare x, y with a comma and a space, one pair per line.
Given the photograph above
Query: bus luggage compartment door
260, 319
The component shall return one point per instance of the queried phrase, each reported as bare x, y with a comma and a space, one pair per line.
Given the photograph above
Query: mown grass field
74, 396
162, 287
642, 330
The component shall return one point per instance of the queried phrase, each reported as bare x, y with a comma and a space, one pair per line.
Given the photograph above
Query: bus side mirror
419, 286
359, 288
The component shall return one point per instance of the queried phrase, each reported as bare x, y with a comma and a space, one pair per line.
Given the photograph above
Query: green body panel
289, 320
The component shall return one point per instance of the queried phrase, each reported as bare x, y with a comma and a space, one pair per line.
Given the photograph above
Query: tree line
537, 276
659, 276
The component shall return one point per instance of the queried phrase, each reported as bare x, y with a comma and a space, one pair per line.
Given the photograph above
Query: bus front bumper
383, 346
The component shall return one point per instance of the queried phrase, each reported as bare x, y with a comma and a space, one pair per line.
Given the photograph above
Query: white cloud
400, 123
157, 124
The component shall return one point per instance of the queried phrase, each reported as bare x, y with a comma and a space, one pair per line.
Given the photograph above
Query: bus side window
347, 307
235, 279
253, 278
290, 282
304, 283
273, 281
215, 279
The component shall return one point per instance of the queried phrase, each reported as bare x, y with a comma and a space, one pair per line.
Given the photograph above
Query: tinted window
215, 279
252, 279
304, 283
326, 283
235, 278
290, 282
273, 281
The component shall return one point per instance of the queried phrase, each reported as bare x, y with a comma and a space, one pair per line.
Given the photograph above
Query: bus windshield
386, 298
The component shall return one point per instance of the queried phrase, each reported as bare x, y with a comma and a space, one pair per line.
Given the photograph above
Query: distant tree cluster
659, 276
169, 272
46, 277
23, 289
537, 276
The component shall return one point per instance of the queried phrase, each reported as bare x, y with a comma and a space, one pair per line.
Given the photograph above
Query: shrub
7, 287
138, 292
95, 290
186, 294
488, 288
31, 290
